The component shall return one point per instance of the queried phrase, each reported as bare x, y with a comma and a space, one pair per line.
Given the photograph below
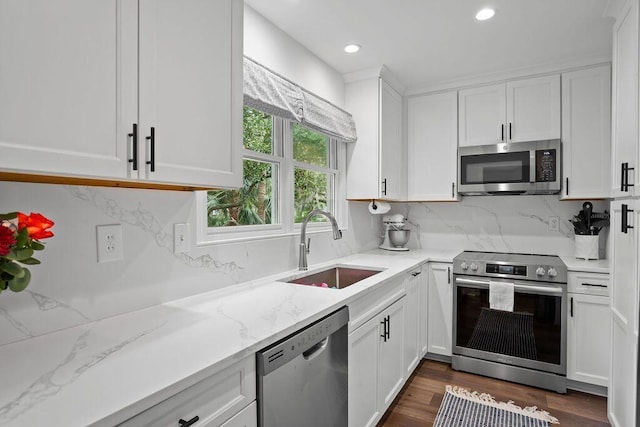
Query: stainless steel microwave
511, 168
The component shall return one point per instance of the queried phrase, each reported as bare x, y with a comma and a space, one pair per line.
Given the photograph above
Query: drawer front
373, 302
248, 417
588, 283
213, 400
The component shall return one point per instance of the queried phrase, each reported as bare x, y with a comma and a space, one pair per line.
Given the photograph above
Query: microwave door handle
532, 166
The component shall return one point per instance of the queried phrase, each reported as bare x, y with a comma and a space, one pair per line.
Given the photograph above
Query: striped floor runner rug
464, 408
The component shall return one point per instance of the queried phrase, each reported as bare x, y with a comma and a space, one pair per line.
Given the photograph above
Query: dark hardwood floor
418, 402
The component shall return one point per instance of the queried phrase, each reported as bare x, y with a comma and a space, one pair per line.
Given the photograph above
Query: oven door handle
517, 287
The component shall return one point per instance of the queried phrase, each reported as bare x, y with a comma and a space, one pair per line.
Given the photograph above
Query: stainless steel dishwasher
303, 379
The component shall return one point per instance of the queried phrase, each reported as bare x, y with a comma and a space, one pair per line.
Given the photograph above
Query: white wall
71, 288
276, 50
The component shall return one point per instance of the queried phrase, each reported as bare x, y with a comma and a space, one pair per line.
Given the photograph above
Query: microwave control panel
546, 165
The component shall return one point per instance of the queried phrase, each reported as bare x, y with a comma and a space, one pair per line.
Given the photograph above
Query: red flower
6, 240
37, 225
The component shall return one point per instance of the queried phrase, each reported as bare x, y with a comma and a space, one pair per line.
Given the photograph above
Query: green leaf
10, 215
13, 269
37, 246
22, 237
30, 261
20, 254
20, 284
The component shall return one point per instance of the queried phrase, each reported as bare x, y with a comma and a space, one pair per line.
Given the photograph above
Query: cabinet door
624, 316
625, 99
482, 115
533, 109
191, 91
391, 170
248, 417
391, 361
432, 146
412, 327
440, 312
588, 339
363, 373
586, 133
363, 179
424, 304
68, 84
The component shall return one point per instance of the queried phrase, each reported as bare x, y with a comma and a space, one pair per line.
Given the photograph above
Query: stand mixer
395, 237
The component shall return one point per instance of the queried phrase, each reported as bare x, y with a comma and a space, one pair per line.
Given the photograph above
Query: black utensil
587, 208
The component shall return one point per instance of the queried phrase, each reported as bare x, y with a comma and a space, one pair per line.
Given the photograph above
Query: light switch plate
554, 223
110, 245
180, 238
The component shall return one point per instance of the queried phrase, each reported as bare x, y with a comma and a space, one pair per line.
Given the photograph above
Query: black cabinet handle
624, 177
625, 218
502, 132
453, 190
448, 274
567, 186
384, 186
134, 144
594, 285
416, 273
571, 307
510, 138
192, 421
384, 330
152, 143
388, 327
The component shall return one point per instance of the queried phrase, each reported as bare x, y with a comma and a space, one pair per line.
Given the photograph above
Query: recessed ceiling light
352, 48
485, 14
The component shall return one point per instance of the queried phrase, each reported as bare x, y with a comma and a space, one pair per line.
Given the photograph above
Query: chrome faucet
305, 243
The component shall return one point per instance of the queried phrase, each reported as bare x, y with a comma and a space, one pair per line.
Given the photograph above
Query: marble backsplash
498, 224
71, 288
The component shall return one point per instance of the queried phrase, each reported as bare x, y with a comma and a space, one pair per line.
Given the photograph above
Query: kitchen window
289, 170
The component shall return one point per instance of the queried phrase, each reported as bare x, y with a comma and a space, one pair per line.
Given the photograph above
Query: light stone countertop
591, 266
104, 372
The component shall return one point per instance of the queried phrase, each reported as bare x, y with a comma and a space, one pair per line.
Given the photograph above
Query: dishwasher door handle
316, 350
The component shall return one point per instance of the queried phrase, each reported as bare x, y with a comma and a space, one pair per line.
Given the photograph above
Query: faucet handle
308, 244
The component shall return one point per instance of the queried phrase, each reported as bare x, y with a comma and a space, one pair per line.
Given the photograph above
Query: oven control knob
464, 265
474, 266
552, 272
540, 271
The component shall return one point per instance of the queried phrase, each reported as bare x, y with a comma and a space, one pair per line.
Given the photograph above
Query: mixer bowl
399, 238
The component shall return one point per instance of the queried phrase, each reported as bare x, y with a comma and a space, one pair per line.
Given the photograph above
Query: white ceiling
429, 42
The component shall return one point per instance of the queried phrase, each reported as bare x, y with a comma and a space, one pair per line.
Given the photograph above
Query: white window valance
272, 93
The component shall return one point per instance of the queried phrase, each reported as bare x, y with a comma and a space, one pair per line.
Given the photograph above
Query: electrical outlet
110, 245
180, 238
554, 223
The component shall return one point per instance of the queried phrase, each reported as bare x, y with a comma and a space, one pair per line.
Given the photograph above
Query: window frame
282, 155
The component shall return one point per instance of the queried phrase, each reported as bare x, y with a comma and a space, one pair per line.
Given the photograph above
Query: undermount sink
338, 277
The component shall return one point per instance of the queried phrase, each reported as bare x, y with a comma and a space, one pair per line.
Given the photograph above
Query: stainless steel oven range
509, 317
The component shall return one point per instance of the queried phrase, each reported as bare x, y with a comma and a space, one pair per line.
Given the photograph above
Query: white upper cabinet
625, 103
432, 134
586, 133
482, 113
521, 110
191, 91
77, 76
375, 168
68, 81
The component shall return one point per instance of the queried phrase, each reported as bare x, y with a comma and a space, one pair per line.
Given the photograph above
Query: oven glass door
533, 334
497, 168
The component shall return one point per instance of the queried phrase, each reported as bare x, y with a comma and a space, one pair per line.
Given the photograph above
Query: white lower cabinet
588, 339
226, 398
440, 309
588, 328
412, 325
248, 417
376, 365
